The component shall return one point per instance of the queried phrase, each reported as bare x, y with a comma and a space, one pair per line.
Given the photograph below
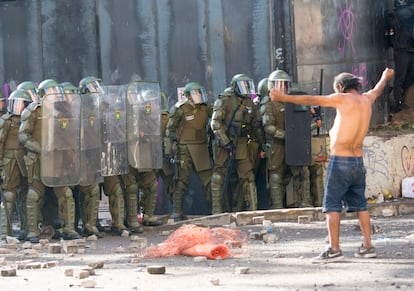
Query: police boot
177, 202
33, 216
317, 187
306, 200
90, 211
131, 209
276, 191
216, 192
150, 205
4, 222
117, 209
21, 209
252, 195
66, 205
8, 204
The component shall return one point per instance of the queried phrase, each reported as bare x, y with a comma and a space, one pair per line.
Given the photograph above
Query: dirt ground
281, 262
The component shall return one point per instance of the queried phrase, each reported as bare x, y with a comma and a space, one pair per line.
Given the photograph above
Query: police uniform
187, 123
234, 121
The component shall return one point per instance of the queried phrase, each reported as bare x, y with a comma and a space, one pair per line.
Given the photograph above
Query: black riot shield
298, 134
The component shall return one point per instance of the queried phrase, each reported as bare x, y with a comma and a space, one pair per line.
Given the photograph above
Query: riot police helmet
242, 85
90, 84
19, 99
48, 86
29, 87
228, 90
278, 79
262, 87
195, 93
69, 88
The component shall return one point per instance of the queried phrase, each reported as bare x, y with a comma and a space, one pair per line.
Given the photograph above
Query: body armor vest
193, 129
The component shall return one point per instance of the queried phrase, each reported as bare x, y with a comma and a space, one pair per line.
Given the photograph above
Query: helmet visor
198, 96
52, 90
246, 87
16, 106
93, 87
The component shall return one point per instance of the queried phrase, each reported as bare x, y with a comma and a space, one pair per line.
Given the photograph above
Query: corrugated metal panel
176, 41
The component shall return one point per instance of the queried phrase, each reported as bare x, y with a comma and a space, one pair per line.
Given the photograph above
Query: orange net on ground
193, 240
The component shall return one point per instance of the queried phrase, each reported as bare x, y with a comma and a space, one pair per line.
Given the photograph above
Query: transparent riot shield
60, 158
90, 141
298, 134
144, 125
114, 155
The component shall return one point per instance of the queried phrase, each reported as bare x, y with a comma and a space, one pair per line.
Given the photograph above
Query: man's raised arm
387, 74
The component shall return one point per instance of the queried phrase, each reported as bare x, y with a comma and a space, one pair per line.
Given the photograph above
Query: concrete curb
385, 209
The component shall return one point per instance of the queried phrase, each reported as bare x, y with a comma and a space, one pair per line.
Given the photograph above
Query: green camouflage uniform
30, 137
188, 123
14, 174
112, 188
241, 112
273, 119
133, 183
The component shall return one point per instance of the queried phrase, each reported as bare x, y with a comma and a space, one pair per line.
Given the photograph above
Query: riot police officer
30, 136
144, 152
234, 120
114, 166
273, 119
186, 128
90, 151
13, 170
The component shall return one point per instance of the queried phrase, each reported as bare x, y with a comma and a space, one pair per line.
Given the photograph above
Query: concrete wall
177, 41
340, 36
388, 159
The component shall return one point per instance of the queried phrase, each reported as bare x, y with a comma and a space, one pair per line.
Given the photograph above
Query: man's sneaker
328, 256
364, 252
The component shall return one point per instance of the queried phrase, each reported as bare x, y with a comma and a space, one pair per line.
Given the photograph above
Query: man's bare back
353, 111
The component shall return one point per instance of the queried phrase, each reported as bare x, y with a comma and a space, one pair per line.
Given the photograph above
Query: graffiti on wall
407, 160
279, 57
347, 26
7, 88
361, 71
375, 160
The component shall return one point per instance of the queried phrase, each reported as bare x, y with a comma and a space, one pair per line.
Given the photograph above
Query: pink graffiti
347, 26
6, 90
361, 71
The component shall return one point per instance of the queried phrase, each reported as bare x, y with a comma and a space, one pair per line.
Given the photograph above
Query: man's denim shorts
345, 185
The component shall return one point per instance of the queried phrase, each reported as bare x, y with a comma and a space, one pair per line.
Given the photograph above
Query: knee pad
33, 196
131, 190
275, 178
250, 177
10, 196
217, 179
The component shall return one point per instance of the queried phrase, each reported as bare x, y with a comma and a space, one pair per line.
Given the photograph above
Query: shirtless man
345, 176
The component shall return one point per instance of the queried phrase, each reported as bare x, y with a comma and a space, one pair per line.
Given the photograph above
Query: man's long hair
348, 82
